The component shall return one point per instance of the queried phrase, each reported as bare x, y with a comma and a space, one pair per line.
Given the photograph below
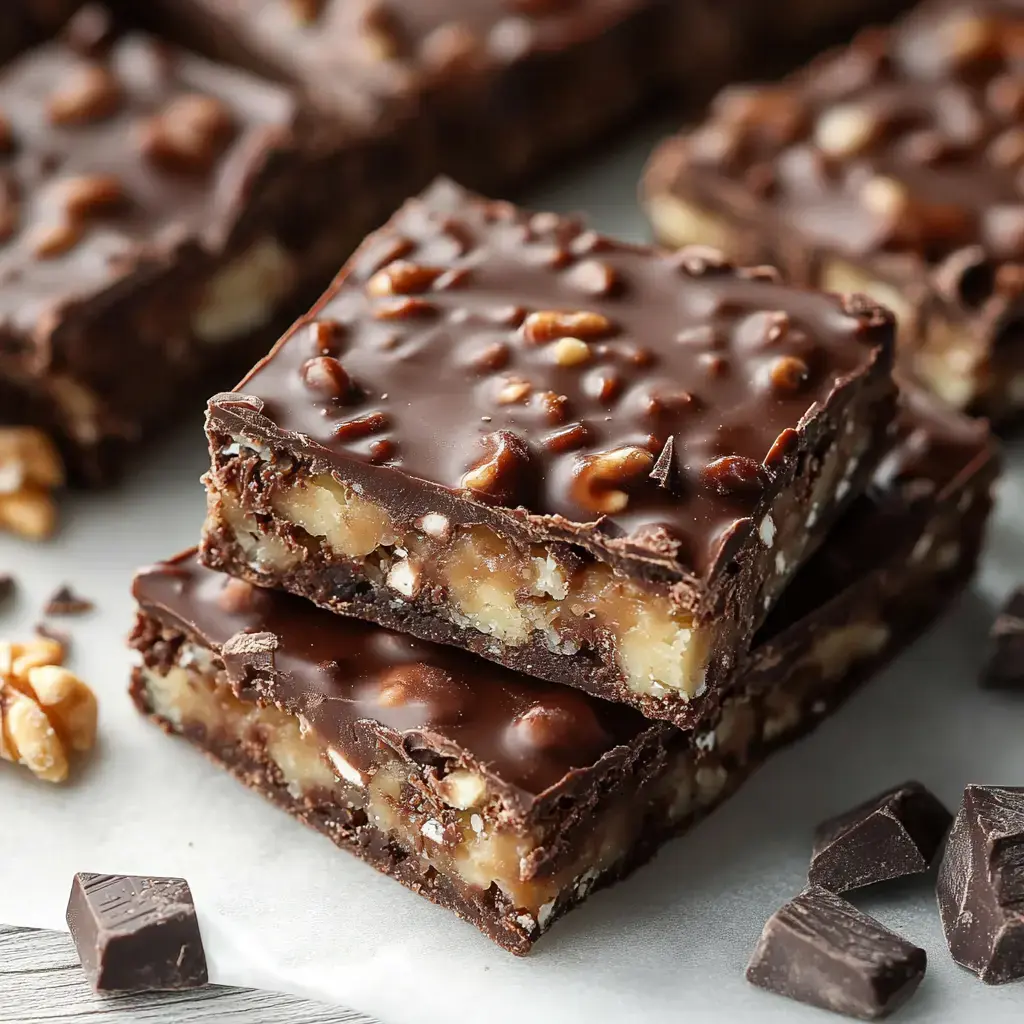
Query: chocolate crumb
65, 601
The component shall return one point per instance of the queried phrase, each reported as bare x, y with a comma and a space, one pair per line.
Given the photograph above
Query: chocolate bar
487, 91
897, 833
821, 950
136, 934
151, 242
508, 799
594, 462
889, 167
981, 884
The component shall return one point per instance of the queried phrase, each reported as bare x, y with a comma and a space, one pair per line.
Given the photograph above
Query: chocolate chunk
981, 884
821, 950
1004, 665
136, 934
896, 833
65, 601
7, 586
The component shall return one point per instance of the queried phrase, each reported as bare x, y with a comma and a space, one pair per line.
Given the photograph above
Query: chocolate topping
682, 348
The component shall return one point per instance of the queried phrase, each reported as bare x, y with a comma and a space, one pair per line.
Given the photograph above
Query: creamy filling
245, 294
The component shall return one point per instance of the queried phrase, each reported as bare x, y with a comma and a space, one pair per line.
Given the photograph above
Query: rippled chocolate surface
527, 361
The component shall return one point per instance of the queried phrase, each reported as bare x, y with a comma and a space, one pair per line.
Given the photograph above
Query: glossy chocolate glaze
907, 142
152, 212
528, 734
702, 373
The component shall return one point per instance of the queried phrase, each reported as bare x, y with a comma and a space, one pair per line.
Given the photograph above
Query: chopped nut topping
89, 195
788, 374
593, 277
600, 477
500, 475
450, 48
92, 94
570, 352
402, 278
29, 469
326, 376
884, 196
189, 135
514, 391
844, 131
403, 309
46, 712
48, 241
550, 325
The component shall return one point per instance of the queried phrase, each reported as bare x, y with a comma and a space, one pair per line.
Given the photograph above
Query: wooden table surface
41, 980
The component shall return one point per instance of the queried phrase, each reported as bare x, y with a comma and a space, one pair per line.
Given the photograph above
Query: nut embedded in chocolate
136, 934
1004, 662
821, 950
980, 888
897, 833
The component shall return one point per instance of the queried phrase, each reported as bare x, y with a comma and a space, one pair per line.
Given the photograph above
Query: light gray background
281, 908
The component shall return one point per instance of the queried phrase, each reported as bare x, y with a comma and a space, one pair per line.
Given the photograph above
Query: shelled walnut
46, 712
30, 469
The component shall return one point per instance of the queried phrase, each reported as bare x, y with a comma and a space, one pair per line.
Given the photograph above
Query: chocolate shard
7, 586
821, 950
136, 934
64, 601
1004, 664
897, 833
981, 884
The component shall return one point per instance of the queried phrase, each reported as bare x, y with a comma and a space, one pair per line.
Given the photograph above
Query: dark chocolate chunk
7, 586
136, 934
1004, 665
65, 601
981, 884
821, 950
896, 833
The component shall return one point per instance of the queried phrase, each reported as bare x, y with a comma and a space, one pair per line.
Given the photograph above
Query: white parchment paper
282, 908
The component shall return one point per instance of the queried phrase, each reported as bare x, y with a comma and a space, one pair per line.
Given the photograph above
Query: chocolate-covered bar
151, 238
890, 167
136, 934
508, 799
487, 91
593, 462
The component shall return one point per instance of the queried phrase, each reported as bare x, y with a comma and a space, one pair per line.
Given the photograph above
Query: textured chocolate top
525, 361
361, 52
907, 141
111, 159
529, 733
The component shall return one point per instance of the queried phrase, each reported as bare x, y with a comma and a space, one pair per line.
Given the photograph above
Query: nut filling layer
541, 594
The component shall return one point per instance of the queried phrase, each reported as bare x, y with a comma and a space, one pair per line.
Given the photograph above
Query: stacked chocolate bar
525, 546
163, 218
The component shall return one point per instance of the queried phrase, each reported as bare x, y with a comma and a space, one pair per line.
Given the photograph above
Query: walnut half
46, 712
